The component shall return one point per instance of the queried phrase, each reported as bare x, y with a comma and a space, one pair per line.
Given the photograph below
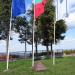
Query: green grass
64, 66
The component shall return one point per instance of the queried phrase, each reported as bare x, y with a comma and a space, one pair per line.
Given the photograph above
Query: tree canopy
5, 9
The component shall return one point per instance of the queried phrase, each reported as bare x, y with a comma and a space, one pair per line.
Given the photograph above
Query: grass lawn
64, 66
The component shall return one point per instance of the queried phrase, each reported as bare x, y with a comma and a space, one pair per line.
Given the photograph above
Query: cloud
66, 44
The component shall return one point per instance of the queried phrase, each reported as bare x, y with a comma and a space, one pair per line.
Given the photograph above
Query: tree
21, 26
46, 18
5, 13
60, 30
36, 29
47, 24
5, 9
47, 27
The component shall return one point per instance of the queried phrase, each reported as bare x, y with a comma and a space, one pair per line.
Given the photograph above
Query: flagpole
8, 42
54, 42
55, 32
33, 38
33, 44
57, 11
66, 9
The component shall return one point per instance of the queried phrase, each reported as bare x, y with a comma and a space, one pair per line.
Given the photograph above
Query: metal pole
33, 47
54, 44
25, 44
54, 32
66, 10
25, 41
66, 7
8, 42
57, 10
33, 38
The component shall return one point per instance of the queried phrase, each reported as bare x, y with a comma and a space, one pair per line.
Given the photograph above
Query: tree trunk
7, 51
51, 50
25, 50
47, 51
25, 46
36, 49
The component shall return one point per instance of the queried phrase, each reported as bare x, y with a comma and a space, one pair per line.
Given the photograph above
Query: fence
28, 54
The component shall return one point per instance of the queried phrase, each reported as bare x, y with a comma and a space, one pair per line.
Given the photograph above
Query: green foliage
0, 7
20, 24
47, 25
5, 9
48, 16
60, 30
22, 27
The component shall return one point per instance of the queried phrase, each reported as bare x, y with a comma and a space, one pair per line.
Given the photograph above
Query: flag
39, 7
18, 7
38, 1
71, 6
44, 2
61, 1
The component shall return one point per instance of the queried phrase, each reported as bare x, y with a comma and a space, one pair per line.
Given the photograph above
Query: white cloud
66, 44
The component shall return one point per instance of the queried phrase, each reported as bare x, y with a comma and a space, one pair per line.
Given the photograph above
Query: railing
28, 54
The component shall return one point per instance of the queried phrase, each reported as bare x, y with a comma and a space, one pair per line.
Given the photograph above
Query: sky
67, 43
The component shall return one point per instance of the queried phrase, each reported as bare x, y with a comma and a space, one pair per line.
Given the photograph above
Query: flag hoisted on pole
17, 8
38, 10
61, 1
71, 6
39, 7
66, 10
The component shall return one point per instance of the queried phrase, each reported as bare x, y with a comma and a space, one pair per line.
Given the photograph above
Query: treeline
69, 51
43, 30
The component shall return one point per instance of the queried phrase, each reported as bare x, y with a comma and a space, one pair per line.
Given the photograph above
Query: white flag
71, 6
61, 1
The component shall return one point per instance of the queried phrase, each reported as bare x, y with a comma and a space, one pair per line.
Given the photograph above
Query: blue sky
67, 43
28, 3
